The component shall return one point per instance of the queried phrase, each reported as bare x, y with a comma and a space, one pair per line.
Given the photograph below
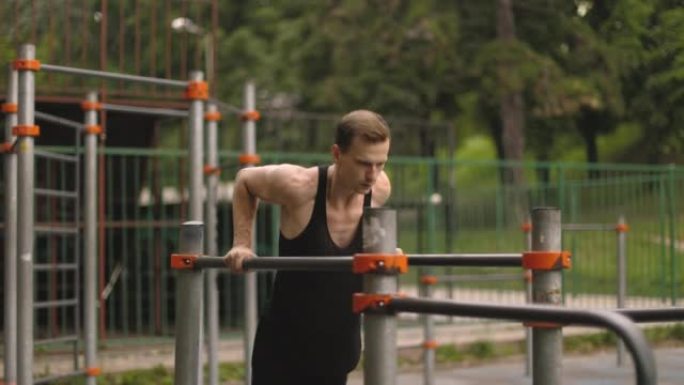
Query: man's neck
337, 194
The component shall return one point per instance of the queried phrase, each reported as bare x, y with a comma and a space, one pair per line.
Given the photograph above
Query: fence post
621, 230
527, 230
25, 132
380, 330
10, 260
547, 341
189, 308
90, 264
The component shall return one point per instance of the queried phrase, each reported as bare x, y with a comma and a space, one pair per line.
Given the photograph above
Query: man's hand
236, 256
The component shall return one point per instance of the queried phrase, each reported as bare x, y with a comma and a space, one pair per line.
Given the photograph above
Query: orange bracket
6, 147
249, 159
542, 325
95, 129
93, 372
430, 345
211, 170
362, 302
429, 280
26, 130
212, 116
379, 263
546, 260
183, 261
252, 116
622, 228
87, 105
26, 65
526, 227
197, 90
10, 108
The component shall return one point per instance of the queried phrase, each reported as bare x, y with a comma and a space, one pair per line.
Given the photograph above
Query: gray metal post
547, 343
90, 289
621, 230
429, 342
380, 330
25, 219
189, 308
249, 147
527, 230
10, 260
212, 172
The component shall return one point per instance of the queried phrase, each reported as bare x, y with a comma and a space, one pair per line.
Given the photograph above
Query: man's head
361, 149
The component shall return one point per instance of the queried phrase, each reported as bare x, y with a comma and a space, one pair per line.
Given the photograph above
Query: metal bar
479, 278
56, 193
10, 241
113, 75
189, 284
653, 315
58, 120
627, 330
145, 110
54, 156
547, 343
282, 263
90, 290
380, 330
55, 266
55, 230
483, 260
51, 379
587, 227
56, 303
622, 278
25, 220
212, 247
56, 340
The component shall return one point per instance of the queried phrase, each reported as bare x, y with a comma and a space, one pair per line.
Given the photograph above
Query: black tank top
309, 324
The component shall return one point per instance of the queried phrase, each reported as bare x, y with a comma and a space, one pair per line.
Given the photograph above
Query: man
309, 334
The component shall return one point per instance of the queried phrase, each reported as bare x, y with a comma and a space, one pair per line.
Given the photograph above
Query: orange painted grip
10, 108
250, 159
622, 228
26, 130
363, 301
212, 116
197, 90
93, 372
252, 115
429, 280
87, 105
6, 147
526, 227
26, 65
430, 345
211, 170
546, 260
183, 261
93, 129
370, 263
542, 325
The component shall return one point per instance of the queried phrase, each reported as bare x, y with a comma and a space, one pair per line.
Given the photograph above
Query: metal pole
380, 330
113, 75
145, 110
90, 269
527, 230
429, 342
25, 219
621, 230
211, 243
10, 260
547, 342
189, 309
249, 147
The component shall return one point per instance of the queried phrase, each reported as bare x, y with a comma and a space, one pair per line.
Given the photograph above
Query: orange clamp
546, 260
379, 263
211, 170
26, 130
622, 228
250, 159
251, 116
26, 65
430, 345
93, 372
10, 108
87, 105
363, 301
93, 129
197, 90
183, 261
212, 116
526, 227
429, 280
542, 325
6, 147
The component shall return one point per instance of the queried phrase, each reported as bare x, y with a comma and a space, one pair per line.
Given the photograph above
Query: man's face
362, 163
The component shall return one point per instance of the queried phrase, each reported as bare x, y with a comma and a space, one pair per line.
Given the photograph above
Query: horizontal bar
653, 315
587, 227
479, 260
57, 377
112, 75
632, 336
54, 156
57, 303
283, 263
55, 230
146, 110
55, 266
56, 193
56, 340
479, 278
59, 120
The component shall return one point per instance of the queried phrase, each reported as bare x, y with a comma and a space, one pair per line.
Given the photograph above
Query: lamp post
186, 25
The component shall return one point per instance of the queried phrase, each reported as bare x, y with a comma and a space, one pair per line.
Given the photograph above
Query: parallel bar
56, 230
653, 315
56, 340
479, 278
57, 303
59, 120
57, 266
56, 193
482, 260
54, 156
587, 227
627, 330
145, 110
112, 75
51, 379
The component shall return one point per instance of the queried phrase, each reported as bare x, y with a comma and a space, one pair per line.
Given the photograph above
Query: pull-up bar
145, 110
58, 120
113, 75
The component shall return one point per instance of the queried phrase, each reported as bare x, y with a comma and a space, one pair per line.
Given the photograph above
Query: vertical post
621, 230
25, 212
90, 269
428, 280
527, 230
547, 342
189, 309
249, 148
672, 216
10, 260
213, 172
380, 330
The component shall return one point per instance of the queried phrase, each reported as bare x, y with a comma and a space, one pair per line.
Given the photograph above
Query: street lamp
186, 25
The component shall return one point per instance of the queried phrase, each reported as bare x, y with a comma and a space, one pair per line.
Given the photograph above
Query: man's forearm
244, 212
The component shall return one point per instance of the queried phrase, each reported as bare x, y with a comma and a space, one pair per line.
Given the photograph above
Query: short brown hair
365, 124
